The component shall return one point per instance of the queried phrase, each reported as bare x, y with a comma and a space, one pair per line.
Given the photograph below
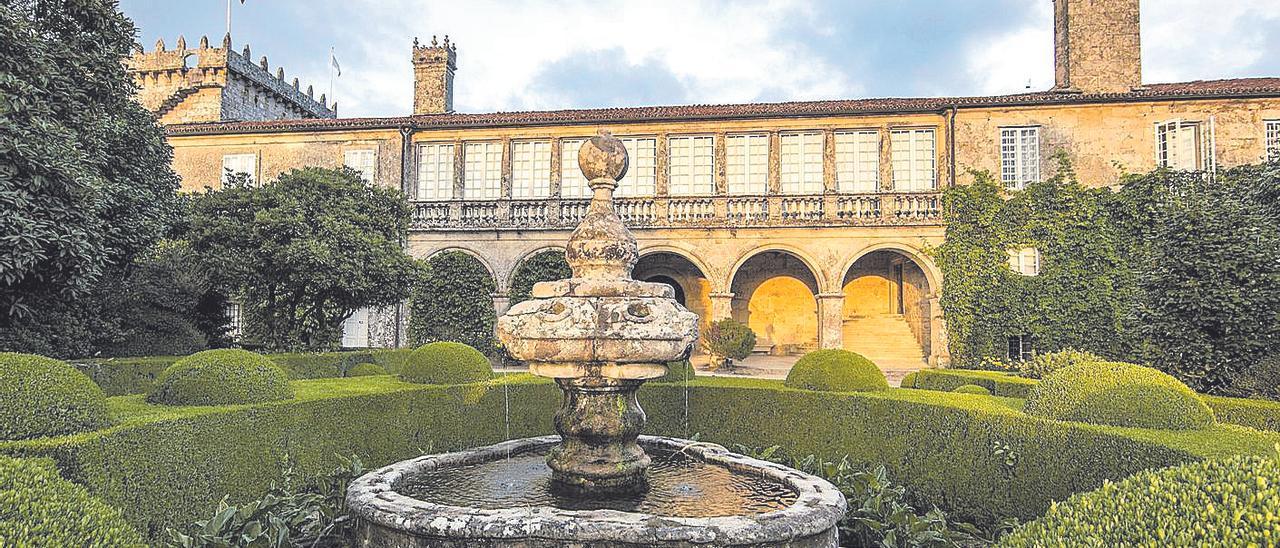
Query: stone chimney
1097, 46
433, 68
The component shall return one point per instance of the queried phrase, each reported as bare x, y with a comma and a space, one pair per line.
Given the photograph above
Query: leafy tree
85, 181
452, 301
304, 252
545, 266
167, 306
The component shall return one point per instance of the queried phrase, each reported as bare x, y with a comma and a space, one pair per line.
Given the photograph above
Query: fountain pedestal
598, 423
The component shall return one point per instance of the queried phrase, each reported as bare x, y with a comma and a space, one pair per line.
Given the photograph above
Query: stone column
501, 302
721, 306
831, 320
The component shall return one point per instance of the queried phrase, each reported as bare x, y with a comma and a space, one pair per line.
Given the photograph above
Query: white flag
334, 61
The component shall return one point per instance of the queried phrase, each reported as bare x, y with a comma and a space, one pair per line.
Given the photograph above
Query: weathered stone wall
1097, 45
198, 160
433, 68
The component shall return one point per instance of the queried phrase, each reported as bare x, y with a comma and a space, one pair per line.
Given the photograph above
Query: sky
599, 53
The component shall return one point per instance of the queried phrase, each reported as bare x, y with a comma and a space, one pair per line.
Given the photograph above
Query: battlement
217, 84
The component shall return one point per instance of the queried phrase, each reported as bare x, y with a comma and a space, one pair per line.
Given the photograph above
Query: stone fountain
600, 335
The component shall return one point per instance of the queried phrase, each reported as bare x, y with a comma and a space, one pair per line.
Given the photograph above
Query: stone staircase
886, 340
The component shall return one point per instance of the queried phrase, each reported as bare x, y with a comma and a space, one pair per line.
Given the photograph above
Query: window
573, 184
1021, 347
235, 323
800, 163
914, 163
858, 161
530, 169
747, 164
642, 167
1025, 261
1019, 156
1177, 145
240, 163
435, 171
692, 165
364, 161
355, 329
482, 171
1273, 140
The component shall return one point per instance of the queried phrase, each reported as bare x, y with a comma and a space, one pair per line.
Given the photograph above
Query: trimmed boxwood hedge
1120, 394
677, 372
837, 371
1229, 502
39, 508
42, 396
221, 377
446, 363
972, 389
366, 370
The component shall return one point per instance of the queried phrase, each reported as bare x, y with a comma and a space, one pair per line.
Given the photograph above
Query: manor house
811, 221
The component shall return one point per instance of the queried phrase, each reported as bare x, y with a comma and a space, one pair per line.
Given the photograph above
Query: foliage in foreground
39, 508
42, 396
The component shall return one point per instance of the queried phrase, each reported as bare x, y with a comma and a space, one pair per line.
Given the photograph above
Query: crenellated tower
433, 68
217, 84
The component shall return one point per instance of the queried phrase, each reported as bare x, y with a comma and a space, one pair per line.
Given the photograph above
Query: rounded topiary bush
42, 396
39, 508
1042, 365
446, 363
221, 377
836, 371
910, 380
972, 389
366, 370
1231, 502
677, 372
1119, 394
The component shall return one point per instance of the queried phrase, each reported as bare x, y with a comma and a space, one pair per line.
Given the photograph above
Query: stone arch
681, 270
517, 288
498, 281
931, 270
889, 307
775, 291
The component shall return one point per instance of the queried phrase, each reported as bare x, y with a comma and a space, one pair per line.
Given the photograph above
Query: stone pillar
501, 302
939, 355
831, 320
721, 306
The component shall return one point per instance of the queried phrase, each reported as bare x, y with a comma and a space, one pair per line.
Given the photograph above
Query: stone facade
1097, 46
216, 84
433, 68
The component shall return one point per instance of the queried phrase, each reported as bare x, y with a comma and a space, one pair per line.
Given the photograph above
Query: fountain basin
389, 517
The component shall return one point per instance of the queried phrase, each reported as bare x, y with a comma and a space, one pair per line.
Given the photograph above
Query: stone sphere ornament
603, 157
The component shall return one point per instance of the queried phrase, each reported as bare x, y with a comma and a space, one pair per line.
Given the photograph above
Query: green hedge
39, 508
366, 370
972, 389
1120, 394
225, 376
836, 370
446, 363
947, 380
42, 396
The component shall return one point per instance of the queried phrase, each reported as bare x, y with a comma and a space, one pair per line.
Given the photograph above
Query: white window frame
573, 184
747, 163
858, 161
642, 167
481, 170
243, 162
1178, 145
355, 329
435, 171
691, 166
363, 160
1019, 156
1025, 261
800, 162
530, 169
1271, 143
1026, 347
915, 160
235, 321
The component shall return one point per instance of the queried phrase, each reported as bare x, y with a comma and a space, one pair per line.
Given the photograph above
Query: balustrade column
501, 302
830, 320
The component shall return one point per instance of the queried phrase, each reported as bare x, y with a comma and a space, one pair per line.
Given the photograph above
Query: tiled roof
1239, 87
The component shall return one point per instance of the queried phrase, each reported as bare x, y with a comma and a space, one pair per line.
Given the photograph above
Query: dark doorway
674, 285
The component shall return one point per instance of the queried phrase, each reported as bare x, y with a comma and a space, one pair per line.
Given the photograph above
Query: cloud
1011, 60
1197, 39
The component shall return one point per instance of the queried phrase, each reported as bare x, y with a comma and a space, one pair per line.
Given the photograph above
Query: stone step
885, 340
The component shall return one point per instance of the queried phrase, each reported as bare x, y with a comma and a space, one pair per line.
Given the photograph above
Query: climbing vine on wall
543, 267
453, 301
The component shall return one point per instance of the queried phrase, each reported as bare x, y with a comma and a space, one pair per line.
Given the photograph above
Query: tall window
364, 161
1021, 347
914, 163
1273, 140
530, 169
800, 166
1025, 261
858, 161
239, 163
1177, 145
482, 171
435, 171
573, 184
747, 164
1019, 156
642, 169
692, 165
235, 321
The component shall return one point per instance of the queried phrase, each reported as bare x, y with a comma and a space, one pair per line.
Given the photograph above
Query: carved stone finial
295, 83
434, 43
603, 157
415, 42
602, 247
323, 100
446, 41
204, 42
226, 41
160, 44
280, 73
263, 62
311, 91
245, 53
182, 42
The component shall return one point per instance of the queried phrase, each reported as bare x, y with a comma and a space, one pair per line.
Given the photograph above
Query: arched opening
775, 294
543, 266
453, 301
887, 314
680, 296
692, 288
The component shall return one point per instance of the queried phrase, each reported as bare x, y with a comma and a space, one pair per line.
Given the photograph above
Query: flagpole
331, 58
228, 16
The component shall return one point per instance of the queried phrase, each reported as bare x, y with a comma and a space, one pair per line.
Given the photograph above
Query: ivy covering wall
453, 301
542, 267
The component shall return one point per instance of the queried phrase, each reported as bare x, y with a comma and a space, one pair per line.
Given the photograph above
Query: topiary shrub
39, 508
45, 397
1230, 502
910, 380
677, 372
1044, 364
446, 363
728, 340
836, 371
1119, 394
366, 370
971, 389
221, 377
1260, 380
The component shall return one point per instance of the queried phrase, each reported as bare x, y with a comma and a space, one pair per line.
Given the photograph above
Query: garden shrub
366, 370
546, 266
836, 371
1043, 364
1228, 502
318, 365
1254, 413
391, 359
730, 340
1260, 380
39, 508
1000, 384
971, 389
453, 301
446, 363
1119, 394
221, 377
677, 372
42, 396
910, 379
121, 376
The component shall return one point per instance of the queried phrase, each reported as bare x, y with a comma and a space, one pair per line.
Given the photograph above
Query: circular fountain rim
373, 497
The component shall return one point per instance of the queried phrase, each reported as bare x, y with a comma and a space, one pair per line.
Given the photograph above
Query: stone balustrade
878, 209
